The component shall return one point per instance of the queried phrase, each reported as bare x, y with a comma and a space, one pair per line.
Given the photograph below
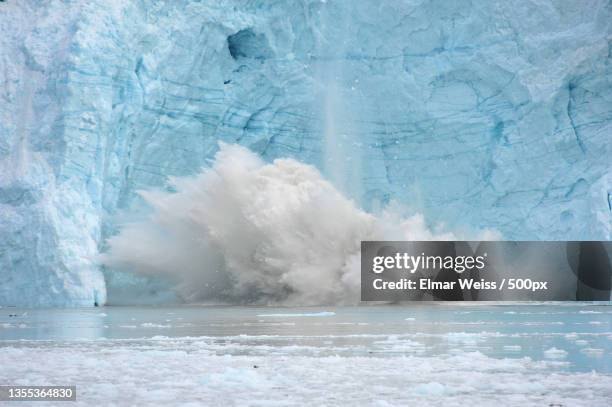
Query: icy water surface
514, 354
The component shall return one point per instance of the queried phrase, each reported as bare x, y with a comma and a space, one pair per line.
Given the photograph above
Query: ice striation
493, 115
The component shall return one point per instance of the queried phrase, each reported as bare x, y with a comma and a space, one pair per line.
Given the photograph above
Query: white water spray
245, 231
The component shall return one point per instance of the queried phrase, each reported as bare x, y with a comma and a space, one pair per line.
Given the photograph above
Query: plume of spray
247, 231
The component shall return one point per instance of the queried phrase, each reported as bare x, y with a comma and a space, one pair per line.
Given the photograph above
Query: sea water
576, 335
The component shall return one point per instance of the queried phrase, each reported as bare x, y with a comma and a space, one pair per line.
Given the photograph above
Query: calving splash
247, 231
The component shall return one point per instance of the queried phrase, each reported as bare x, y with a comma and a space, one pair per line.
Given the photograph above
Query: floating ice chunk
554, 353
593, 352
571, 336
7, 325
152, 325
513, 348
307, 314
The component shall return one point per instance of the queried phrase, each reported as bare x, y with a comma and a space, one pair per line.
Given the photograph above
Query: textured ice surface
518, 355
489, 114
160, 372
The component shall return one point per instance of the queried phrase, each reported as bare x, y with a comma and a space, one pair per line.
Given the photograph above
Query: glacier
492, 115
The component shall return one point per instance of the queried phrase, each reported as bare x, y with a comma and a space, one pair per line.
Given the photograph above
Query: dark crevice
247, 44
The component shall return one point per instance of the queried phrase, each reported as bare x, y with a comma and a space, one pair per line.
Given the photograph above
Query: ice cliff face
487, 114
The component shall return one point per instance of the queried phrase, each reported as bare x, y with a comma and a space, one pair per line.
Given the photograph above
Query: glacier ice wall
490, 114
